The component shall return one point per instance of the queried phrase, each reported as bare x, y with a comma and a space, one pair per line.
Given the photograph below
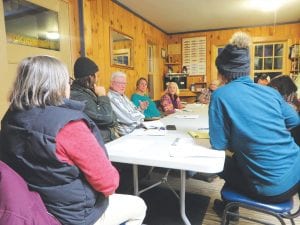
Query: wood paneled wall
99, 16
74, 30
289, 33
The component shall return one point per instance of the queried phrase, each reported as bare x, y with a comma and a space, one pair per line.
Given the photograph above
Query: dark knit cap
84, 67
234, 60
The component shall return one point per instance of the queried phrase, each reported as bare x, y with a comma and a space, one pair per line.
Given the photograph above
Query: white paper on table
151, 132
182, 141
156, 132
153, 124
186, 116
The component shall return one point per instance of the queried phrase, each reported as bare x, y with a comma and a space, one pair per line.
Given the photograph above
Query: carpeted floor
164, 209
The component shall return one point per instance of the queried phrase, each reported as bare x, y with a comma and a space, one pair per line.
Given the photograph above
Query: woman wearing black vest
59, 151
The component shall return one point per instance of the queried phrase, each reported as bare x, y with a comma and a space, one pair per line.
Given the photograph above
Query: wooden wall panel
74, 31
99, 16
288, 32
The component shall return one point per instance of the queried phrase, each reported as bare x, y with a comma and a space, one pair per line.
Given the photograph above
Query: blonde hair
175, 84
40, 81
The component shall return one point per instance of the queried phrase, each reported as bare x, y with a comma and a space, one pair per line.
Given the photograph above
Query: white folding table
159, 151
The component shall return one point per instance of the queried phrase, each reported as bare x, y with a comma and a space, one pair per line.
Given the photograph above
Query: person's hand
144, 105
99, 90
169, 108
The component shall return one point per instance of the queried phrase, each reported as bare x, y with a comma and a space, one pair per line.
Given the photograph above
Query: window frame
272, 72
150, 58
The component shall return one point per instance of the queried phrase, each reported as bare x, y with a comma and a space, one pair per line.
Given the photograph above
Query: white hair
40, 81
240, 40
116, 74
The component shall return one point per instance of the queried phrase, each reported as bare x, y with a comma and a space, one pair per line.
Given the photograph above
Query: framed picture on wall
163, 53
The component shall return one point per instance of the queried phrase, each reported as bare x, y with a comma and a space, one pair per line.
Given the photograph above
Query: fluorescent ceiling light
266, 5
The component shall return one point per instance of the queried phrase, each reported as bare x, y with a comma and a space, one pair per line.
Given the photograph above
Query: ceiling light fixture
267, 5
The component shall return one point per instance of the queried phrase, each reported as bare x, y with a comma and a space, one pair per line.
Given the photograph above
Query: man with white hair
128, 115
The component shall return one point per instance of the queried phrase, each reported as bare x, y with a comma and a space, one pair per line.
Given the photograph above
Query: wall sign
194, 55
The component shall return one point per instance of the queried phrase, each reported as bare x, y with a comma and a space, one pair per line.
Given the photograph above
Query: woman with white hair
58, 150
128, 115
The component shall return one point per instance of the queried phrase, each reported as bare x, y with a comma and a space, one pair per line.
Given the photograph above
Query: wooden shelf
176, 74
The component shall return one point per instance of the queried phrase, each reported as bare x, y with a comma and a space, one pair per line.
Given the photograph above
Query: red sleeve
76, 145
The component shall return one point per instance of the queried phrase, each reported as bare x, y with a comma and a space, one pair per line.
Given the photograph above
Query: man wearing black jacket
97, 104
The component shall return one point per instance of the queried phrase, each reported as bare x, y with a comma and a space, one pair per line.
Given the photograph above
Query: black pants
234, 178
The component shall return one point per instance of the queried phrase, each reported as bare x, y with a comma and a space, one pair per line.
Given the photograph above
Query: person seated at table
128, 115
205, 93
170, 101
58, 150
287, 88
265, 164
263, 79
151, 111
97, 104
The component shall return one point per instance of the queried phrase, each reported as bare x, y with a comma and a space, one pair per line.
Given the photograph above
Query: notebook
199, 134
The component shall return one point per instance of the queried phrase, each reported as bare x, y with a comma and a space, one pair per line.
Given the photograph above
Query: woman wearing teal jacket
151, 111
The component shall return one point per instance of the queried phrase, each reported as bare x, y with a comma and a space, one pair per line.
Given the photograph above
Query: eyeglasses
143, 84
71, 80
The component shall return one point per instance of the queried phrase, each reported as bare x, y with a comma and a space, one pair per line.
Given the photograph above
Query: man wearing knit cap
253, 121
98, 106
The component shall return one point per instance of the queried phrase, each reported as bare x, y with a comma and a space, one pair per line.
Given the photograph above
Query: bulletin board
194, 55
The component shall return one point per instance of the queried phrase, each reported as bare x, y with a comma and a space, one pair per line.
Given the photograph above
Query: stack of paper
155, 132
155, 124
151, 132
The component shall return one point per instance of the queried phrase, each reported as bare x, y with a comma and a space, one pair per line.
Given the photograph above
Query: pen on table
203, 128
174, 143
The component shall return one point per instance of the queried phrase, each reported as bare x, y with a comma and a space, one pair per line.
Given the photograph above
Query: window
121, 56
268, 59
150, 58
